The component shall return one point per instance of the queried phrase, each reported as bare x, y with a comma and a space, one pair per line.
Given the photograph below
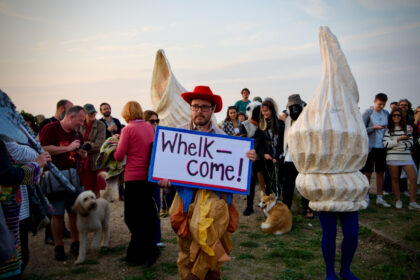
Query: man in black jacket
113, 125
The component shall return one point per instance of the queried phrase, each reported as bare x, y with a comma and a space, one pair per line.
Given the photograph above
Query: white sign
201, 160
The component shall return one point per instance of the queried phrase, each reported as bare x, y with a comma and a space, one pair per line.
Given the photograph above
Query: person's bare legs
73, 227
394, 171
261, 181
379, 182
412, 178
57, 222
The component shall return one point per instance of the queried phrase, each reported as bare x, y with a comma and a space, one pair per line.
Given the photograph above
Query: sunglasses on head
154, 121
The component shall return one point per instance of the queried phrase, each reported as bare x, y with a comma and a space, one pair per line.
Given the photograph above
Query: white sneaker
398, 204
406, 194
414, 206
382, 202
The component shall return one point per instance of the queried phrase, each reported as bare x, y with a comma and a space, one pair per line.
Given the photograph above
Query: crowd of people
72, 140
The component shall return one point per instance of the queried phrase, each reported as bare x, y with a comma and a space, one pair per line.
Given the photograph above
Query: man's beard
106, 114
202, 122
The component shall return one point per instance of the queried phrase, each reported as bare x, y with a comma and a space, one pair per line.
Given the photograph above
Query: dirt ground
296, 255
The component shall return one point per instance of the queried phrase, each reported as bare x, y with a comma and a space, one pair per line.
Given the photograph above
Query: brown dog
279, 217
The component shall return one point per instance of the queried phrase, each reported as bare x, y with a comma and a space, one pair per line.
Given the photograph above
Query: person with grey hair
63, 141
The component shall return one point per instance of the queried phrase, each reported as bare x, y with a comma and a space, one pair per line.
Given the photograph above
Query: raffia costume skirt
203, 233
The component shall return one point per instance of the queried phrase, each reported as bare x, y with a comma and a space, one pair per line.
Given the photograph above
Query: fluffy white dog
92, 216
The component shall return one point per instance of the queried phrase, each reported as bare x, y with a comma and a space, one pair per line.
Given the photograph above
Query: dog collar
272, 205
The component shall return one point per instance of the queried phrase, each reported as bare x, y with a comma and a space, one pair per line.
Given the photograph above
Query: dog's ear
273, 196
77, 207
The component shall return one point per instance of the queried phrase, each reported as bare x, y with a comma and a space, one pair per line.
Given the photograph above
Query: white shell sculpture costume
328, 142
166, 94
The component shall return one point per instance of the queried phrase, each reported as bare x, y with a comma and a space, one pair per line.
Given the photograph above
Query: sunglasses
154, 121
396, 115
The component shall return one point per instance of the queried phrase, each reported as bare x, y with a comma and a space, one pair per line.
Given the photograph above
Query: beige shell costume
166, 94
328, 142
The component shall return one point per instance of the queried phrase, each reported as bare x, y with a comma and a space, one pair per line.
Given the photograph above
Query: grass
113, 250
249, 244
79, 270
169, 268
245, 256
295, 255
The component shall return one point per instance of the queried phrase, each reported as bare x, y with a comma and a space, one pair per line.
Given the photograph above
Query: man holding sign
203, 219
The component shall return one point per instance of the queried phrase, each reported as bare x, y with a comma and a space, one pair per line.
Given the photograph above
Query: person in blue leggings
350, 227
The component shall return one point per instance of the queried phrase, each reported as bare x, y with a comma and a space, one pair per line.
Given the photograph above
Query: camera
87, 147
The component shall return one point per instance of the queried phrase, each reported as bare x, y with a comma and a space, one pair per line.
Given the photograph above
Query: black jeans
289, 178
140, 214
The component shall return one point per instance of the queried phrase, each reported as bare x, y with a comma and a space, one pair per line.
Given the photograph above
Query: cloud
7, 10
315, 8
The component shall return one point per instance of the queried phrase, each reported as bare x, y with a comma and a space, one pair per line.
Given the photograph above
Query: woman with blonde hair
135, 143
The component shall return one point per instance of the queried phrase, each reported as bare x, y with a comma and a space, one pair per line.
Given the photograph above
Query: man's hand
112, 128
82, 153
165, 183
73, 145
252, 155
42, 159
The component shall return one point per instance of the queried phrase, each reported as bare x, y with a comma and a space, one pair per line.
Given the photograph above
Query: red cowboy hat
203, 92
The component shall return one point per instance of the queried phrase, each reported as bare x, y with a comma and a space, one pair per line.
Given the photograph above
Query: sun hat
294, 99
203, 92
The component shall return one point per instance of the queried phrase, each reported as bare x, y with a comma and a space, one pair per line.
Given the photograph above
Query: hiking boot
382, 202
248, 211
74, 248
414, 206
398, 204
59, 253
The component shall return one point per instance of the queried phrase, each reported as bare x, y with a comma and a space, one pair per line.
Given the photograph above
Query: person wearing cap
201, 257
295, 106
93, 132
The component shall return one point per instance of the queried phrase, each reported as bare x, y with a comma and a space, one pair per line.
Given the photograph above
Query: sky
103, 51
